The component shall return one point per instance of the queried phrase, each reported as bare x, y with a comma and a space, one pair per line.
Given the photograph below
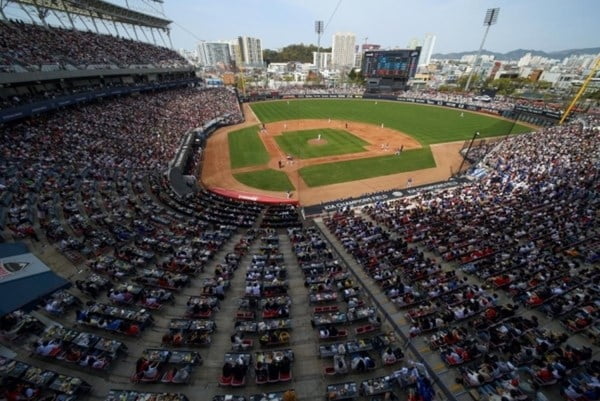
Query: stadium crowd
99, 148
14, 97
89, 178
32, 46
528, 226
306, 90
131, 132
495, 104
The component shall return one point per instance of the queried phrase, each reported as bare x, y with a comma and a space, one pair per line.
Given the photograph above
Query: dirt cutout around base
217, 172
317, 142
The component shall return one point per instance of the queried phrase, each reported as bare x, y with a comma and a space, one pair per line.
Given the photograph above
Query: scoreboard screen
391, 63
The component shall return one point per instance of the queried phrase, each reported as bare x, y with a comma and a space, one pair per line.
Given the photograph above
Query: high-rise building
235, 52
413, 43
251, 51
525, 60
213, 53
357, 60
324, 60
343, 50
427, 49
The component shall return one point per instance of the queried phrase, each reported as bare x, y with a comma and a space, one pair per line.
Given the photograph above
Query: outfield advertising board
381, 196
463, 106
455, 105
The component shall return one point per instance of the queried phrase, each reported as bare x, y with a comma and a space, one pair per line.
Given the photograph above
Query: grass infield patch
335, 142
351, 170
246, 149
269, 180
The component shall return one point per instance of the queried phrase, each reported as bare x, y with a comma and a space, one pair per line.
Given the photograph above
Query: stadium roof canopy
98, 9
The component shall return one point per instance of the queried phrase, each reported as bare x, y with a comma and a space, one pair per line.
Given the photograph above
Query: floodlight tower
491, 16
319, 29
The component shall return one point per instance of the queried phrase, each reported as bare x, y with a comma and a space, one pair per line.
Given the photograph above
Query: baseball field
336, 148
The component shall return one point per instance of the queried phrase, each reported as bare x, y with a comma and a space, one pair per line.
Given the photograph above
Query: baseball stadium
319, 151
165, 239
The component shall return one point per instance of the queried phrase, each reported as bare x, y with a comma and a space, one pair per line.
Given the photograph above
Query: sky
547, 25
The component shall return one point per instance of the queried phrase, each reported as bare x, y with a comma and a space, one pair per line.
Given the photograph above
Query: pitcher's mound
317, 141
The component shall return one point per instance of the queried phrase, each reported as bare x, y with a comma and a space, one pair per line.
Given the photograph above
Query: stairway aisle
396, 315
308, 380
221, 338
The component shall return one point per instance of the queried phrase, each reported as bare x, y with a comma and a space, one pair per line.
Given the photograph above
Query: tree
270, 55
298, 52
542, 85
313, 78
507, 86
355, 77
594, 95
462, 81
447, 88
288, 78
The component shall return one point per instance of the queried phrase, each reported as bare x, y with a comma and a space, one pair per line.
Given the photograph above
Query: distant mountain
517, 54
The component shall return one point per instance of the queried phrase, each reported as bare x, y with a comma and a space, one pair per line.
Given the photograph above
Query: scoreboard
400, 64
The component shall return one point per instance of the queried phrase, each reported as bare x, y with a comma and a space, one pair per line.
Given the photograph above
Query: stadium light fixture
491, 17
319, 29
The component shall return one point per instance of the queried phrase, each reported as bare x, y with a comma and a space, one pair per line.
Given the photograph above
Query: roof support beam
84, 24
59, 18
169, 36
3, 4
33, 21
152, 33
95, 26
135, 33
162, 36
99, 8
41, 12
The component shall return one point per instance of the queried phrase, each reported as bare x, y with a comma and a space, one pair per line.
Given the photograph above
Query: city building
427, 49
525, 60
357, 60
343, 50
413, 43
228, 78
495, 69
324, 60
251, 51
235, 53
369, 46
190, 55
211, 54
280, 68
535, 75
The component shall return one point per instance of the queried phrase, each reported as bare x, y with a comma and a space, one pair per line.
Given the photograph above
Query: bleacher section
489, 289
38, 48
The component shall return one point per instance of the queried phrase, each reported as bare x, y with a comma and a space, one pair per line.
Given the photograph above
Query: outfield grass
269, 180
427, 124
339, 142
332, 173
246, 148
